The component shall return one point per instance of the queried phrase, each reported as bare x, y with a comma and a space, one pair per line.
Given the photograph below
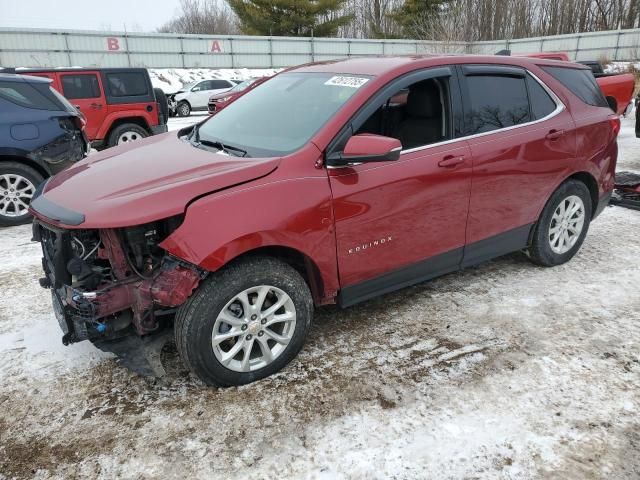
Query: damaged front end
116, 287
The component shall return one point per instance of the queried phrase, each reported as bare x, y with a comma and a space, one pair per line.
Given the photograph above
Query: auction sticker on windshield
342, 81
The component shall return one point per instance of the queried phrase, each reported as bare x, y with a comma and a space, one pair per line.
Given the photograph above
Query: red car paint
620, 87
102, 115
355, 224
222, 100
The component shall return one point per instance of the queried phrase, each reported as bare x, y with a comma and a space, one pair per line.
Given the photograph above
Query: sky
136, 15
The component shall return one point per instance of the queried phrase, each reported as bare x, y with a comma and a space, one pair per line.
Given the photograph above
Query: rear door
522, 140
84, 91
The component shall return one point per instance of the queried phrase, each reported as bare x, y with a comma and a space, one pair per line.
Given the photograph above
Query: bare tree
212, 17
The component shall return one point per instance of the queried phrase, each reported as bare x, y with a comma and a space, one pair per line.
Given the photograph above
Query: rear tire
563, 225
126, 133
227, 335
18, 183
183, 109
163, 104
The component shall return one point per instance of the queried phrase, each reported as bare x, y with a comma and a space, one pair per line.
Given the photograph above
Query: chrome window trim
560, 106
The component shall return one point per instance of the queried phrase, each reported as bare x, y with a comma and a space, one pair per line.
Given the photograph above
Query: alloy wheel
254, 328
566, 224
16, 192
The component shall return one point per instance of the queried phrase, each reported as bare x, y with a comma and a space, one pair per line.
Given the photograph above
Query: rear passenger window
80, 86
581, 82
127, 84
541, 102
219, 84
497, 102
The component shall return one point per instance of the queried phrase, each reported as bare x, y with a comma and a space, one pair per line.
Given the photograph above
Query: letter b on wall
113, 44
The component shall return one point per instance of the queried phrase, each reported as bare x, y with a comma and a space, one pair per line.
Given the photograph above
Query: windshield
189, 86
283, 114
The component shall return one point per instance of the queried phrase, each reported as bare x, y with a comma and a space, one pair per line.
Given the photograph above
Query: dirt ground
506, 370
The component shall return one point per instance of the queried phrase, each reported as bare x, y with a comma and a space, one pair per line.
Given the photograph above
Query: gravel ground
505, 370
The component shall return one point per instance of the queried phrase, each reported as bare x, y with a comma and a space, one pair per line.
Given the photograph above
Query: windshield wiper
228, 149
195, 140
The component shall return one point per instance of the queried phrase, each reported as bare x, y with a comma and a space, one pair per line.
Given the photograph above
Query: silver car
195, 96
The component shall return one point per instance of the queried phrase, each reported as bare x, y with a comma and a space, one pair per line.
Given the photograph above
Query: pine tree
294, 18
413, 14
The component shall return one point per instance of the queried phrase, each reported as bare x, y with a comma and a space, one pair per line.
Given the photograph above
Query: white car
195, 96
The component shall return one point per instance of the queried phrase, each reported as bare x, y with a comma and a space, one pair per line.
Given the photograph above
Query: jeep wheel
563, 225
17, 185
183, 109
126, 133
245, 322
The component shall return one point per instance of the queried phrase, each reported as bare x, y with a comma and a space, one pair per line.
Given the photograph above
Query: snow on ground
170, 80
505, 370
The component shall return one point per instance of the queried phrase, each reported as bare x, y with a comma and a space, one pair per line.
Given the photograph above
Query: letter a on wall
113, 44
216, 46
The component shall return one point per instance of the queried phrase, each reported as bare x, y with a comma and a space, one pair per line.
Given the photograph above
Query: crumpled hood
149, 180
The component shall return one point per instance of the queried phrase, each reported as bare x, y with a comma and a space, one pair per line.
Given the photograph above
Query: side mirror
613, 103
366, 147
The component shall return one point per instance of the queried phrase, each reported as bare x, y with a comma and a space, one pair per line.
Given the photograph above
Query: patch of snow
170, 80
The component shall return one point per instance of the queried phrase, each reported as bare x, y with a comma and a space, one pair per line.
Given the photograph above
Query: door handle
77, 107
96, 106
451, 161
554, 134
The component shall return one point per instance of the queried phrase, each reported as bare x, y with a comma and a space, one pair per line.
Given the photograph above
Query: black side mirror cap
340, 160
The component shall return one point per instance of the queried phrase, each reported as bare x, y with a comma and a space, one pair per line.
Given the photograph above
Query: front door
404, 221
84, 91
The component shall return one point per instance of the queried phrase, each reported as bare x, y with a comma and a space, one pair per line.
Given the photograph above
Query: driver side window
417, 115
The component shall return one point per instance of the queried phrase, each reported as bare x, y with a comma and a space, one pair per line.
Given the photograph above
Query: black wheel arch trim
438, 265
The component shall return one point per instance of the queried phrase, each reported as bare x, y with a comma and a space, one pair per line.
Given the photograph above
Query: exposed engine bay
113, 283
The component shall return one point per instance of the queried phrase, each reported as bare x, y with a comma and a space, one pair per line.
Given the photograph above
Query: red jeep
333, 182
119, 104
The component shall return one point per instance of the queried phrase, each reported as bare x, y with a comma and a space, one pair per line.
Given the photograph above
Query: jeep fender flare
133, 116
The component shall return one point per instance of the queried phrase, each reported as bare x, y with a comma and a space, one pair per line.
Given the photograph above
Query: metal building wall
68, 48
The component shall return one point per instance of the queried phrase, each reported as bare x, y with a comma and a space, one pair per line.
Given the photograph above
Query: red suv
119, 104
333, 182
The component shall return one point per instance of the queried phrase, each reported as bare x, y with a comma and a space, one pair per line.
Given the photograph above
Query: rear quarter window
581, 82
29, 95
127, 84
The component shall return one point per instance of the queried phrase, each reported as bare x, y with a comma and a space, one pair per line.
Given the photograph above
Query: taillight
615, 125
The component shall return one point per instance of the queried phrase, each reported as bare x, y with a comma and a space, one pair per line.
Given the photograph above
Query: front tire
18, 183
245, 322
563, 225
